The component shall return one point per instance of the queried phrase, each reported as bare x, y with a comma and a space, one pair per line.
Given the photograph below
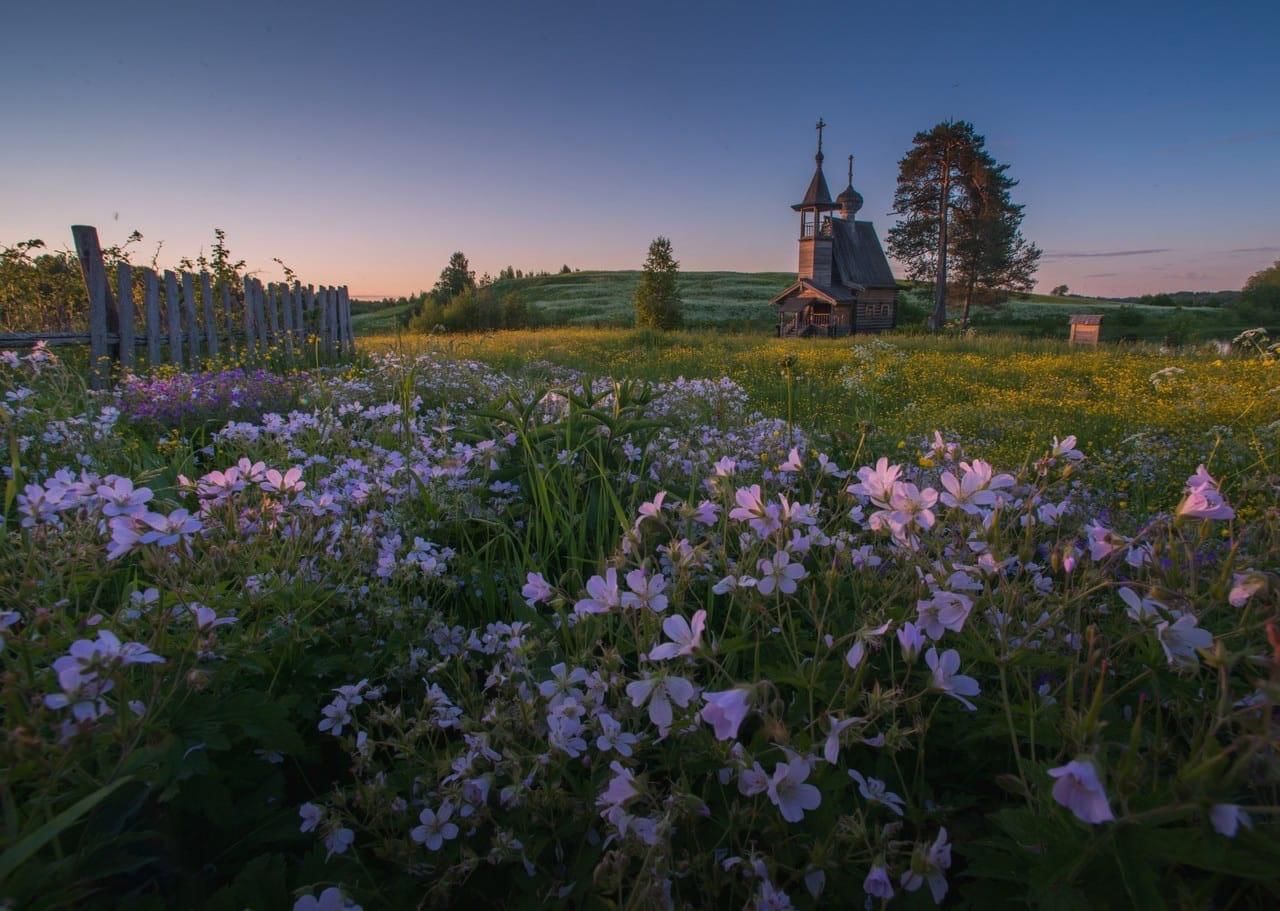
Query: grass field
1005, 391
454, 624
739, 300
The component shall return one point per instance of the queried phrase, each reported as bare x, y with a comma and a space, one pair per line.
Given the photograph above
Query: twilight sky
363, 142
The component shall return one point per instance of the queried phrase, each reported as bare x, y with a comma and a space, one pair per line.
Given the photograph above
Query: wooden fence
184, 318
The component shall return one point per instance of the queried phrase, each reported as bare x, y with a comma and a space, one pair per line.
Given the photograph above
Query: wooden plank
230, 316
153, 318
273, 317
210, 323
260, 316
309, 309
193, 326
249, 326
299, 316
124, 296
344, 319
101, 306
173, 314
31, 339
286, 318
322, 318
331, 320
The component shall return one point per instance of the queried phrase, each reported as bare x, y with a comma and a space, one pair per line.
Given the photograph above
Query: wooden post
299, 317
331, 316
102, 316
260, 316
193, 327
344, 307
228, 309
124, 294
286, 314
210, 324
173, 312
153, 318
249, 327
272, 319
309, 308
322, 316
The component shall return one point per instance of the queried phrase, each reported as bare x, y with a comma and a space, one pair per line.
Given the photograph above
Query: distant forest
1186, 299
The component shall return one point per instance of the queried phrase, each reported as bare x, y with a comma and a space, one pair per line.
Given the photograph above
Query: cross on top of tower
850, 170
820, 126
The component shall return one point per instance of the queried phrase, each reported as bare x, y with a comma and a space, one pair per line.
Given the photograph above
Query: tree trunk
940, 288
968, 298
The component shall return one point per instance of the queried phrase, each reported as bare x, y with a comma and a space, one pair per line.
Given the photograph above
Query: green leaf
12, 858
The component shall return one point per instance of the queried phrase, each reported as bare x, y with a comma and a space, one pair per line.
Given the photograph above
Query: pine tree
455, 278
957, 213
988, 250
657, 297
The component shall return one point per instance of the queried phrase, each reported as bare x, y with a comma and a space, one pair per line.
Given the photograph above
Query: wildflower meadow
530, 620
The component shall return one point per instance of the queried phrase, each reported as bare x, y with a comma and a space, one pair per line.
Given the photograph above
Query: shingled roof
836, 295
857, 256
817, 196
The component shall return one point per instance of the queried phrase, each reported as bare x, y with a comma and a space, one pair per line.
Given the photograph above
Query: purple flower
945, 678
1079, 790
878, 884
1227, 818
726, 710
536, 590
789, 793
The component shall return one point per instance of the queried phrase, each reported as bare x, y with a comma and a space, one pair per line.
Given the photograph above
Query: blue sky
362, 143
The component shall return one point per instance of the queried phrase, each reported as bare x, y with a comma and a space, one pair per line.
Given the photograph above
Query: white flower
1180, 640
435, 828
331, 899
943, 611
659, 693
338, 841
621, 788
929, 866
1227, 818
1079, 789
945, 678
603, 594
726, 710
536, 590
311, 816
831, 748
789, 793
646, 591
685, 638
779, 573
875, 791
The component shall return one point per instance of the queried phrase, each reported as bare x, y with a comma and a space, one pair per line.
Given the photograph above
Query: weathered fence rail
185, 317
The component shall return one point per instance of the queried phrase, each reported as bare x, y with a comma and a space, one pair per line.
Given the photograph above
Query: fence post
173, 314
260, 316
249, 327
210, 324
229, 314
153, 318
124, 294
299, 318
344, 307
193, 326
286, 316
322, 315
273, 321
101, 306
331, 308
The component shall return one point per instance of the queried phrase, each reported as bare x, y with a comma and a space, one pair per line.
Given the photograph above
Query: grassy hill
604, 298
741, 300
